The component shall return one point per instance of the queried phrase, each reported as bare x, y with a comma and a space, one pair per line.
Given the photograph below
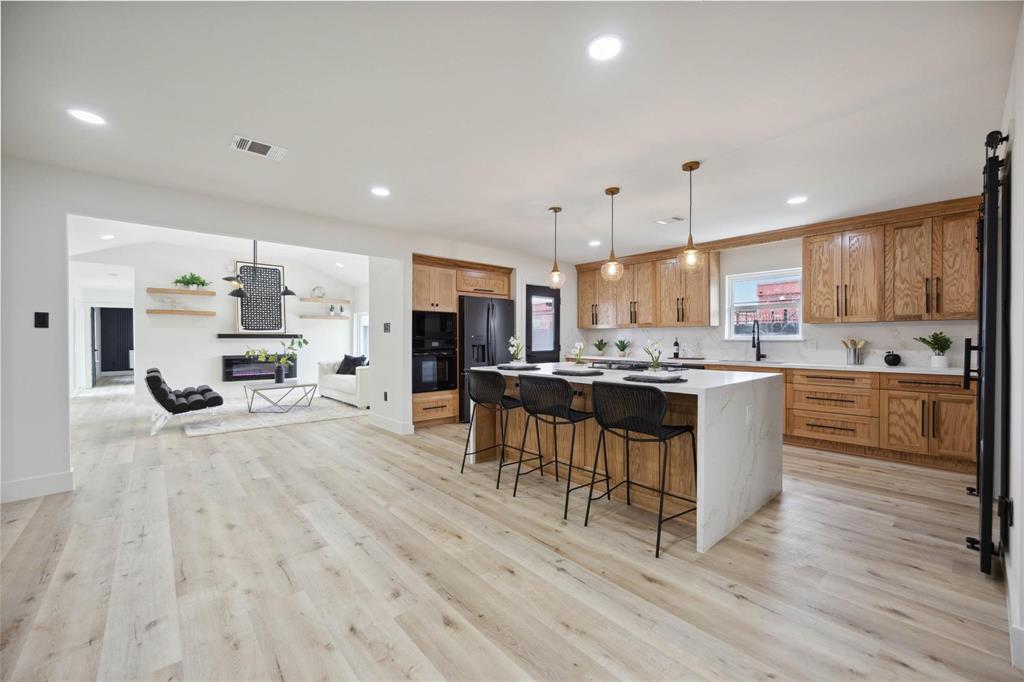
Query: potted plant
600, 345
516, 349
939, 343
330, 311
281, 360
577, 352
191, 281
623, 346
654, 351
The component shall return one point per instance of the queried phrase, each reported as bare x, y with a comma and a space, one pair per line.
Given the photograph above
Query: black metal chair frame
602, 447
554, 422
503, 417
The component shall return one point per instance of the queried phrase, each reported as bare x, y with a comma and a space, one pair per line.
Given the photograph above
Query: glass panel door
543, 306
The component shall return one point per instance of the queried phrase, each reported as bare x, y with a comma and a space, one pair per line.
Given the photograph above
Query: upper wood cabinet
586, 299
635, 302
931, 268
687, 296
434, 289
843, 276
955, 266
482, 282
605, 303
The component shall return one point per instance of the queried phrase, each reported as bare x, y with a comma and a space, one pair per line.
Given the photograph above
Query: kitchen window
772, 298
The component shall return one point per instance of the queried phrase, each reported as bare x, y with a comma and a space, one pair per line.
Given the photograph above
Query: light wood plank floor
334, 550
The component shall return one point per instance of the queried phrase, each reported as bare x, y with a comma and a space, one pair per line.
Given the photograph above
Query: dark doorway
116, 339
94, 350
543, 315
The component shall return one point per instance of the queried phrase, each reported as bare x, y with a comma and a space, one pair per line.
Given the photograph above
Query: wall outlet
385, 396
750, 415
387, 327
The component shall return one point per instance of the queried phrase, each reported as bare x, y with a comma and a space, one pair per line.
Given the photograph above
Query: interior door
904, 421
543, 320
863, 274
669, 293
586, 298
823, 277
953, 422
955, 267
94, 351
115, 339
908, 269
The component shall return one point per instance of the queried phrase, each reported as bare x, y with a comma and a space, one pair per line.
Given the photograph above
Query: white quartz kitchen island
739, 424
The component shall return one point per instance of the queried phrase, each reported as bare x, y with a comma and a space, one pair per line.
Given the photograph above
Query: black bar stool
621, 410
487, 390
549, 400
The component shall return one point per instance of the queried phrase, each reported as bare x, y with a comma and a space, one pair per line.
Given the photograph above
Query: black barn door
116, 339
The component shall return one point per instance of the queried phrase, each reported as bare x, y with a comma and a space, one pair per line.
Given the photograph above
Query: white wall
821, 341
1013, 123
186, 349
37, 199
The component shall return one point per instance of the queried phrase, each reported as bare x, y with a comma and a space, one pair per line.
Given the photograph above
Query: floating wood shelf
325, 301
182, 292
324, 317
259, 335
170, 311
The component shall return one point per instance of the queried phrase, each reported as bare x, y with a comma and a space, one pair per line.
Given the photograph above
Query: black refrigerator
485, 325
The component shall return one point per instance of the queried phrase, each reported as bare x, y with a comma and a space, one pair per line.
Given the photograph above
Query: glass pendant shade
555, 278
690, 254
691, 257
612, 269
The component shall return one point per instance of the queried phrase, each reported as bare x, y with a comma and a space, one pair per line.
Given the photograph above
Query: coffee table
280, 398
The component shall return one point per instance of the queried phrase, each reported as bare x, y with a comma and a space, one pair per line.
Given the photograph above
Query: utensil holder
855, 356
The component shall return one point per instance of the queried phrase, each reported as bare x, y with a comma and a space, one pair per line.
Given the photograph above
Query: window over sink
771, 297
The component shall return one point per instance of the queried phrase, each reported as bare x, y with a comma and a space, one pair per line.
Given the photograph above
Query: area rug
234, 416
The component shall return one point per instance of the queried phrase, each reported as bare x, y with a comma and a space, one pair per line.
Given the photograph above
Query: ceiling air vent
247, 144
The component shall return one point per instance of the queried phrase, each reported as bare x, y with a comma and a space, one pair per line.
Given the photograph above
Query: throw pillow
350, 362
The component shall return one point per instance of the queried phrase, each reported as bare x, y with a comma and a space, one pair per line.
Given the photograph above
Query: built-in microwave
433, 331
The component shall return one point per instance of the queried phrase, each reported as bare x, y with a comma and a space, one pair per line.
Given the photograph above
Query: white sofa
348, 388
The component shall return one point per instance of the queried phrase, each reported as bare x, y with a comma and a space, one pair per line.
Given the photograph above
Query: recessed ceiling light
793, 201
380, 191
604, 48
594, 242
87, 117
107, 236
340, 265
661, 222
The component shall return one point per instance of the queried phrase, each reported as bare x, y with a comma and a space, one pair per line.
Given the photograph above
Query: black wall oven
434, 358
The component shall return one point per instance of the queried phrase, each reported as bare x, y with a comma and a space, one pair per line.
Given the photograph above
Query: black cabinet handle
846, 300
830, 426
838, 313
924, 421
938, 295
829, 400
815, 376
927, 297
935, 419
682, 308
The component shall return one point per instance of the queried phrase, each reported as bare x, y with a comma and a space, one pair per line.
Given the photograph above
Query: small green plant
516, 348
622, 345
192, 280
286, 356
654, 351
938, 342
600, 345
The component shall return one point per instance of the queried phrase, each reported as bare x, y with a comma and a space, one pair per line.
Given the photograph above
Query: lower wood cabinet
904, 420
834, 427
937, 424
435, 405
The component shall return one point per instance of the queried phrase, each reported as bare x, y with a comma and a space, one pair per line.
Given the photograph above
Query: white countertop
899, 369
697, 380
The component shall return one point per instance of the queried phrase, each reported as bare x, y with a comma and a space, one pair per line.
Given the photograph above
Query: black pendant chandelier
239, 290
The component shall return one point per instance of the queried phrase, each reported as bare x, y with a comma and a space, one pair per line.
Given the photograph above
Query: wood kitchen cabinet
904, 420
954, 420
434, 289
931, 268
586, 298
938, 424
482, 283
844, 276
687, 296
635, 304
605, 302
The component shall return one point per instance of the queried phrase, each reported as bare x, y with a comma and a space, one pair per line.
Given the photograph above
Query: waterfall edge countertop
739, 423
899, 369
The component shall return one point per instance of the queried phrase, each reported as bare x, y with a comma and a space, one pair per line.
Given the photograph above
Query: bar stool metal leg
661, 497
469, 432
536, 426
629, 482
504, 416
568, 472
593, 476
522, 448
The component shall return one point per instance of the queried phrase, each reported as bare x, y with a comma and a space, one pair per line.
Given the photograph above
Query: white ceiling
479, 116
84, 238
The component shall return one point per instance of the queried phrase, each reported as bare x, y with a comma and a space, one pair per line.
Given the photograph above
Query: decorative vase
599, 352
940, 362
279, 372
892, 359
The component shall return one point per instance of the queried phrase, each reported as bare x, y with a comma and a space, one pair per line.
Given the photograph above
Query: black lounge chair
177, 401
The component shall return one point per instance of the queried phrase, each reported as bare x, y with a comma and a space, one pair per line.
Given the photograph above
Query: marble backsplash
821, 342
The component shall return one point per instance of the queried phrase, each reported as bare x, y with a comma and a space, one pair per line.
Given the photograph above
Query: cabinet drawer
436, 405
830, 378
849, 429
926, 382
482, 282
862, 402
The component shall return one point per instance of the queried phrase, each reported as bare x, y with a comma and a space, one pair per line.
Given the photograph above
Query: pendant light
555, 278
239, 290
690, 253
611, 271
